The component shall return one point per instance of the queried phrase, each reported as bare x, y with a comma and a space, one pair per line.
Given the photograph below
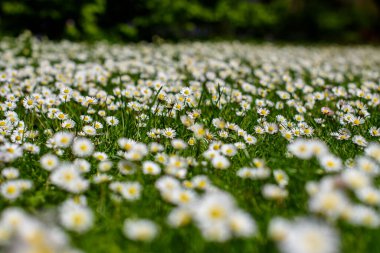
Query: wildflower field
190, 147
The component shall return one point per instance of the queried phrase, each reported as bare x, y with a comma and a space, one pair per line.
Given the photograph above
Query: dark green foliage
300, 20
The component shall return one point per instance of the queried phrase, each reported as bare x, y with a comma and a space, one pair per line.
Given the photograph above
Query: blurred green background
133, 20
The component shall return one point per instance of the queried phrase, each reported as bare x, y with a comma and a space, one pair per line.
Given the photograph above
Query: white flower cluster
223, 136
21, 232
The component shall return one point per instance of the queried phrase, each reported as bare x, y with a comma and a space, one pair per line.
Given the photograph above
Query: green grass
106, 234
